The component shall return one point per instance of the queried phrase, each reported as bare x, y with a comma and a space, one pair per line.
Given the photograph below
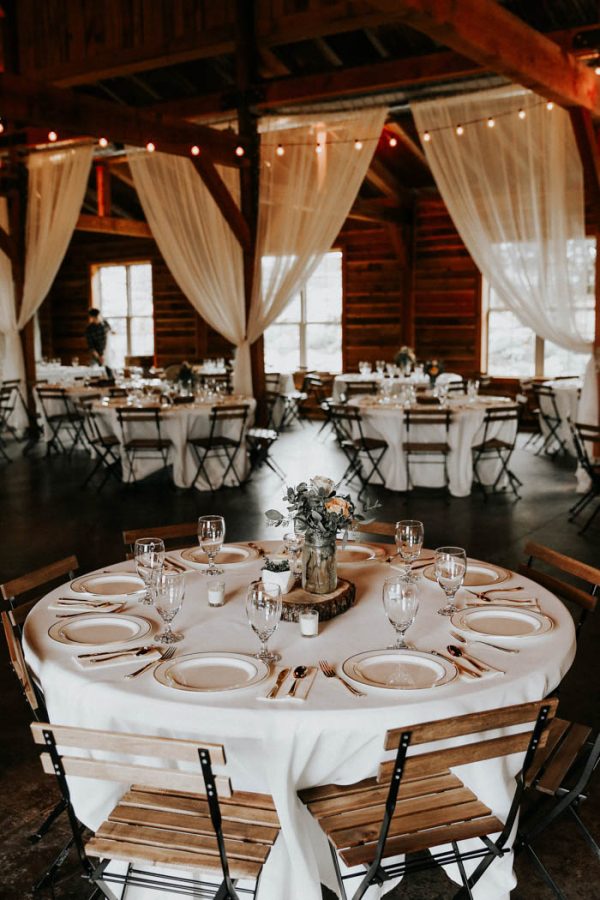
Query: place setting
212, 553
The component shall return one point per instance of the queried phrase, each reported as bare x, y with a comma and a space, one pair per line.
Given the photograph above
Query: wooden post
103, 189
596, 448
247, 67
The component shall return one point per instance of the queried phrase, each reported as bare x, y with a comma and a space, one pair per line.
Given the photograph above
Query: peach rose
338, 506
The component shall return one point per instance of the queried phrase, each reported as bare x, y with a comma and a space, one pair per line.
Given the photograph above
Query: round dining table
285, 745
397, 383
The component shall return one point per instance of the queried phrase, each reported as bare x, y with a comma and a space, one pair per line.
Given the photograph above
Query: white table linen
340, 382
386, 421
64, 376
279, 748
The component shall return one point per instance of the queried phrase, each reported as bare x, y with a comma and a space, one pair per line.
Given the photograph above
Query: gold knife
280, 679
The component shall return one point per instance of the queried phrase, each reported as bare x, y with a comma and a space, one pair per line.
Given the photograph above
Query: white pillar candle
309, 623
216, 593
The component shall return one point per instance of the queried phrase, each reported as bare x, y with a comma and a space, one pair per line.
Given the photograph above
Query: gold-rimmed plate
230, 555
478, 574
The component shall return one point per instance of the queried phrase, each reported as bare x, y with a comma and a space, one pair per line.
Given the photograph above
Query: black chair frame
552, 420
583, 434
105, 447
217, 445
496, 448
68, 420
347, 422
425, 417
157, 447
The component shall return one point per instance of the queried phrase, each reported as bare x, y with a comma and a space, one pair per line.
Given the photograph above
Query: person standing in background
96, 336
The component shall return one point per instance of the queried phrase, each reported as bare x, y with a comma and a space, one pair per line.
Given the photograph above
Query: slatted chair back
383, 529
172, 535
584, 598
457, 387
499, 414
425, 417
18, 664
129, 417
231, 418
272, 381
37, 583
114, 391
584, 434
355, 388
344, 418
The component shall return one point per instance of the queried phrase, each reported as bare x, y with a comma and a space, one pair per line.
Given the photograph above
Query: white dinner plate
502, 621
399, 670
101, 628
353, 554
479, 574
230, 555
211, 671
108, 584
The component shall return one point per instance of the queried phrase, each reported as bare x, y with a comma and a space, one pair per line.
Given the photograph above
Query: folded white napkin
301, 693
99, 662
526, 602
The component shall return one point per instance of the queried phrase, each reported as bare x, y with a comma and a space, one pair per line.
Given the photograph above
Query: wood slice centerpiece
327, 605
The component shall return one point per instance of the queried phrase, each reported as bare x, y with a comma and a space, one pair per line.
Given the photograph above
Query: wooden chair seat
147, 444
417, 447
219, 440
492, 444
551, 764
430, 811
175, 829
368, 443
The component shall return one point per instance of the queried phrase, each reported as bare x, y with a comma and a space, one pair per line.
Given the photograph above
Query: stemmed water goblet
263, 608
410, 534
170, 590
211, 534
401, 603
149, 554
294, 543
450, 567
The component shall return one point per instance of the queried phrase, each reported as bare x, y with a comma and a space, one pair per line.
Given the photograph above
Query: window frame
96, 295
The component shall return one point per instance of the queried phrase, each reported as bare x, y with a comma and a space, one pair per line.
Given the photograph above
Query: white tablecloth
386, 421
340, 382
66, 375
282, 747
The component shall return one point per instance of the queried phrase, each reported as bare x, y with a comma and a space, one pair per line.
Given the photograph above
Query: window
123, 294
308, 333
514, 350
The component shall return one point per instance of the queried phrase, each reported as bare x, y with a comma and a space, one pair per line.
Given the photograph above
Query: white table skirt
386, 421
341, 382
282, 747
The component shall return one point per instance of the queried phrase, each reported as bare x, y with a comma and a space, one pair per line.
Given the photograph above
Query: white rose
319, 482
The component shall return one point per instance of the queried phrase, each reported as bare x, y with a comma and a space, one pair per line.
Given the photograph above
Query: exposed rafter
113, 225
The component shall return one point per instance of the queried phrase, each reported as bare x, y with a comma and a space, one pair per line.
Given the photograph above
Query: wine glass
410, 534
211, 534
401, 603
450, 567
149, 556
263, 608
294, 542
170, 589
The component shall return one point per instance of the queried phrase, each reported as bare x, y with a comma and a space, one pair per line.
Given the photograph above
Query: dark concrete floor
45, 515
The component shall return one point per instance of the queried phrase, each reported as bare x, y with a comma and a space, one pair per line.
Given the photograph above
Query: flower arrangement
405, 357
433, 368
315, 506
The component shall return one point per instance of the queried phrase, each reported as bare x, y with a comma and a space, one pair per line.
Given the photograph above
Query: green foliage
316, 506
276, 565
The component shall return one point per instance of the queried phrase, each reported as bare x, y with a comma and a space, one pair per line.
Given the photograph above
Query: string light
522, 113
195, 151
319, 148
491, 122
239, 150
358, 145
150, 147
597, 70
393, 141
460, 130
52, 136
549, 105
426, 136
1, 126
280, 151
103, 142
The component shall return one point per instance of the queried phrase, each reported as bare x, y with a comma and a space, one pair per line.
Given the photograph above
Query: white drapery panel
305, 197
515, 194
56, 188
11, 353
201, 251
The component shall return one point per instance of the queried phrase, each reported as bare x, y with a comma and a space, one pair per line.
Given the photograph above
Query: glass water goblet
401, 603
211, 534
170, 590
450, 568
294, 543
410, 534
263, 608
149, 554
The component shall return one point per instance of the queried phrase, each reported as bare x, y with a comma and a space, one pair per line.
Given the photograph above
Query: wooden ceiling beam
113, 225
376, 211
222, 197
39, 104
386, 182
490, 35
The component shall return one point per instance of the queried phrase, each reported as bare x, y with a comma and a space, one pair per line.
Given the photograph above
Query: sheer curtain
305, 197
197, 244
56, 188
11, 354
515, 194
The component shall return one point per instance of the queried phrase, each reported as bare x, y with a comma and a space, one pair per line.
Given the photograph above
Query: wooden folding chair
34, 585
585, 598
357, 388
431, 452
383, 529
220, 446
553, 443
496, 448
61, 418
582, 436
416, 803
105, 447
189, 820
360, 450
145, 443
172, 535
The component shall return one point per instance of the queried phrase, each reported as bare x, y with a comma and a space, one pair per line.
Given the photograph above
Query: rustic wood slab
328, 605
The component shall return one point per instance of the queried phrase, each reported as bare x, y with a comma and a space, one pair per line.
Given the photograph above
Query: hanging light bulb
239, 150
358, 145
393, 141
52, 136
195, 151
103, 142
280, 150
549, 105
426, 136
150, 147
319, 148
491, 122
597, 70
460, 130
1, 126
522, 113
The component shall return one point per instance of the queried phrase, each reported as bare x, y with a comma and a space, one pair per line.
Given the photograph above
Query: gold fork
169, 653
329, 672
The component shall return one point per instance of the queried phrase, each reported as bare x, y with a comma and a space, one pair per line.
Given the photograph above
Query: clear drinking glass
401, 603
472, 389
170, 589
294, 542
211, 534
149, 556
410, 534
450, 567
263, 608
380, 366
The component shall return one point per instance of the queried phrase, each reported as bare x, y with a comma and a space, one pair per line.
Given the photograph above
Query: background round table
280, 747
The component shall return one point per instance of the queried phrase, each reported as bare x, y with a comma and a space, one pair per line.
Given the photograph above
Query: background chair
172, 535
62, 419
223, 443
356, 388
548, 412
582, 436
142, 437
185, 819
428, 422
364, 454
33, 585
496, 448
105, 447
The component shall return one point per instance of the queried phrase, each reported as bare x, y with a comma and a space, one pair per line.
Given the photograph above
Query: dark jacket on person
95, 335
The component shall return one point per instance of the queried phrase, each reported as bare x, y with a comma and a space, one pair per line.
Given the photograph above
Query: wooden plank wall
179, 332
446, 291
376, 290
